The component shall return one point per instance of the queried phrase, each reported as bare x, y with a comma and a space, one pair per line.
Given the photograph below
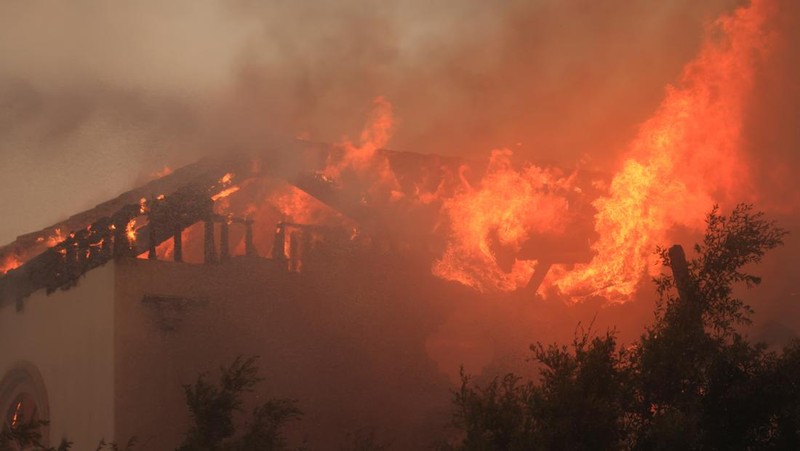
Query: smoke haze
95, 98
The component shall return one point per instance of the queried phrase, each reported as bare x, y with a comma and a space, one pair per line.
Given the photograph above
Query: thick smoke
94, 98
97, 97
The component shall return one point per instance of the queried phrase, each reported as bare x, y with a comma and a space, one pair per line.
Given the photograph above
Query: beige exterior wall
68, 337
350, 353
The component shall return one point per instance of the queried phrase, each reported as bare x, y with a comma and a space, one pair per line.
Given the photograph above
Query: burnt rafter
165, 216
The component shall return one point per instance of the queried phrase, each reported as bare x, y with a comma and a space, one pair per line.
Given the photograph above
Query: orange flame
683, 159
225, 193
130, 231
491, 222
53, 239
300, 207
8, 263
363, 161
375, 136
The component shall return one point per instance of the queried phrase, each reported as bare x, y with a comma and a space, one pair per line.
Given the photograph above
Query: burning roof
498, 227
401, 203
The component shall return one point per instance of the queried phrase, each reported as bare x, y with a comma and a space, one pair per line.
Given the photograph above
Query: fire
491, 222
225, 193
163, 172
363, 162
8, 263
130, 231
298, 206
16, 417
226, 181
683, 159
53, 239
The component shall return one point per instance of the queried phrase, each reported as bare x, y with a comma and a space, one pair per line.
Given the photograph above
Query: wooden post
151, 243
121, 244
210, 252
279, 245
178, 241
249, 247
224, 253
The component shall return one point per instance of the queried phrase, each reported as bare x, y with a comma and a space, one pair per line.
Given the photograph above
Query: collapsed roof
57, 256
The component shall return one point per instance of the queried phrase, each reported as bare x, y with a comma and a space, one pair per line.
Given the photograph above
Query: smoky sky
95, 97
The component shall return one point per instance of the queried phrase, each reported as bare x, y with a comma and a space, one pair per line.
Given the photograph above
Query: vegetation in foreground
692, 381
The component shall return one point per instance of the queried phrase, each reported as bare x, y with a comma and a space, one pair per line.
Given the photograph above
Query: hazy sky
97, 96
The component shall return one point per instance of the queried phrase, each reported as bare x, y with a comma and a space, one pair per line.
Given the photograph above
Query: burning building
110, 311
362, 277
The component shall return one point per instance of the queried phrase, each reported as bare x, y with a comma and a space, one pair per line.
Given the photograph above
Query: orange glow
295, 205
363, 162
130, 231
685, 158
225, 193
15, 419
163, 172
53, 239
375, 136
490, 223
8, 263
226, 179
165, 250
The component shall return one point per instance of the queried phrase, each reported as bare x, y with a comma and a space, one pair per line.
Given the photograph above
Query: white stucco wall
69, 337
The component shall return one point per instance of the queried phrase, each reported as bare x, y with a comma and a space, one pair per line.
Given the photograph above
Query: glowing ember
17, 416
130, 231
53, 239
683, 158
225, 193
8, 263
491, 222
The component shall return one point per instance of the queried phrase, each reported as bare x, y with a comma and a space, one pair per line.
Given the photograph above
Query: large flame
490, 223
361, 166
374, 136
684, 158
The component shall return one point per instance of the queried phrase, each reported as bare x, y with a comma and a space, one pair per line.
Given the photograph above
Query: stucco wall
350, 350
68, 337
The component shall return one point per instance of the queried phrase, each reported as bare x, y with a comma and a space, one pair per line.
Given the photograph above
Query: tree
212, 409
692, 381
579, 402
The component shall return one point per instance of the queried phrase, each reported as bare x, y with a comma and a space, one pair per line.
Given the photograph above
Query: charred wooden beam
210, 251
279, 245
178, 241
151, 242
224, 252
249, 247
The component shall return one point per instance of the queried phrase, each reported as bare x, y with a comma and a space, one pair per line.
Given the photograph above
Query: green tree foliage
692, 381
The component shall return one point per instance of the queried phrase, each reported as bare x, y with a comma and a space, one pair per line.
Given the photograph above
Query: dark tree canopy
692, 381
